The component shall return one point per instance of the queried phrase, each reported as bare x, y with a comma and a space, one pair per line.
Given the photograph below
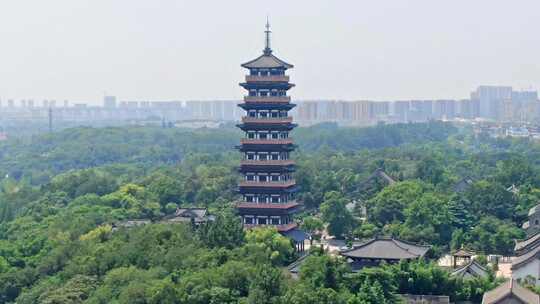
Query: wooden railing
284, 141
286, 205
286, 183
268, 99
270, 78
247, 119
281, 162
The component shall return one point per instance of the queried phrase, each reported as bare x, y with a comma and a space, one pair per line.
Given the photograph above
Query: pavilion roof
191, 212
463, 184
378, 174
463, 253
386, 249
510, 289
296, 235
267, 61
472, 268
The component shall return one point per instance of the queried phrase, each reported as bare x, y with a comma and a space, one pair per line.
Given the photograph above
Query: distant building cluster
487, 103
170, 111
498, 104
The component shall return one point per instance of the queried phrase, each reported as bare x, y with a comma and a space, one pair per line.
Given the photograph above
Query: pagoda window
253, 72
252, 92
263, 93
284, 135
275, 199
263, 114
251, 135
275, 114
275, 220
261, 220
264, 72
275, 156
263, 156
275, 135
250, 198
250, 156
275, 178
248, 220
263, 135
263, 178
250, 177
252, 114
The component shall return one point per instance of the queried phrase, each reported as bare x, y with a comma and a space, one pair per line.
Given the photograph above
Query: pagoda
268, 188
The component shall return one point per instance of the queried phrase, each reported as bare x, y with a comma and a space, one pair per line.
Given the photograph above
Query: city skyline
142, 52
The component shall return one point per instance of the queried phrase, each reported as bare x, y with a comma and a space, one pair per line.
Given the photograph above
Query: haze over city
79, 50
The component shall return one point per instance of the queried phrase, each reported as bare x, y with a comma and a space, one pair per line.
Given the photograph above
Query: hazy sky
166, 49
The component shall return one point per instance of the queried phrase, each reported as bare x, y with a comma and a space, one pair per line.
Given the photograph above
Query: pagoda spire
267, 49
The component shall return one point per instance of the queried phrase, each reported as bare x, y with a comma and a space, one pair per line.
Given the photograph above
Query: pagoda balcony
268, 99
284, 141
278, 184
288, 205
283, 162
269, 78
280, 228
267, 120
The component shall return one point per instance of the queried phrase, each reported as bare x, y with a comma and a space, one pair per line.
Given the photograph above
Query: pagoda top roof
463, 253
267, 60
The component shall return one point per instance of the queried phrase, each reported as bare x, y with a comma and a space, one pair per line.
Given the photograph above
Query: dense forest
62, 192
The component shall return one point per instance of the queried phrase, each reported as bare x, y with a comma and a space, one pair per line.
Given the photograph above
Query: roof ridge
411, 243
406, 249
298, 261
360, 245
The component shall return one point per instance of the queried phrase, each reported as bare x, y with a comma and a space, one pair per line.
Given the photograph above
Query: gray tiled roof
379, 174
294, 267
296, 235
528, 243
472, 269
510, 289
534, 209
267, 61
386, 249
191, 212
523, 259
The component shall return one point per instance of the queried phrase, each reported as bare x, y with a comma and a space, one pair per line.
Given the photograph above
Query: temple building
526, 262
389, 250
268, 188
